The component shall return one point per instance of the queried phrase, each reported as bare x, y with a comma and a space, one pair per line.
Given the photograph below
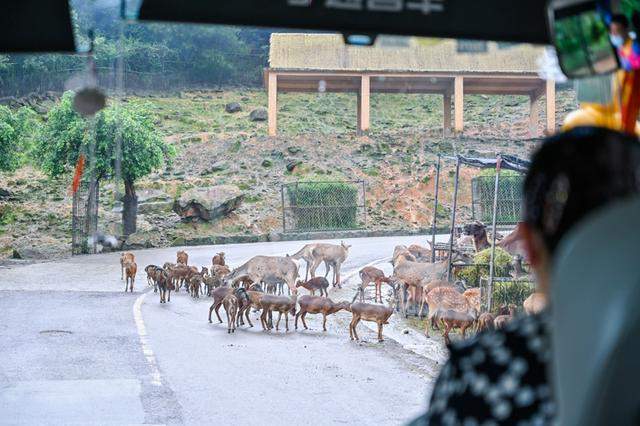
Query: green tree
18, 131
67, 135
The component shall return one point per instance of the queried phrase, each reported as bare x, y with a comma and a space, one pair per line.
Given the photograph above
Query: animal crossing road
77, 350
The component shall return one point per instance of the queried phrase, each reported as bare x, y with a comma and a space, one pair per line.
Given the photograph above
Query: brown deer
485, 322
318, 305
130, 270
535, 303
211, 282
460, 319
502, 320
330, 254
254, 295
306, 254
230, 303
124, 258
379, 314
318, 283
195, 282
218, 296
422, 254
165, 285
404, 252
473, 297
443, 299
280, 304
218, 259
266, 268
179, 275
220, 271
371, 274
150, 270
182, 257
204, 271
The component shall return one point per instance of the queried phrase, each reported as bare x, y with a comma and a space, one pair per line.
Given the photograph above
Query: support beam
458, 103
364, 105
447, 113
551, 106
272, 90
534, 114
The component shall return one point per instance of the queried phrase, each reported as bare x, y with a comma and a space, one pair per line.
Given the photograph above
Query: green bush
472, 274
509, 196
511, 292
323, 205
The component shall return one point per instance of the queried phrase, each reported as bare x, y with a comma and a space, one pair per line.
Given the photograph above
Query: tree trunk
129, 209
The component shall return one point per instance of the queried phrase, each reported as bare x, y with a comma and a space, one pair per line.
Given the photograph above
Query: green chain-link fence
509, 209
322, 206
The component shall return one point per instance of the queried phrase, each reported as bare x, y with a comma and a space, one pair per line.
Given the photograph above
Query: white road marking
156, 377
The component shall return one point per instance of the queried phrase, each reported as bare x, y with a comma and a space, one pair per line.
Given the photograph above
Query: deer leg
351, 328
246, 313
303, 320
314, 266
169, 299
421, 307
286, 321
210, 308
380, 339
278, 322
263, 320
446, 334
336, 274
217, 309
355, 322
324, 322
296, 320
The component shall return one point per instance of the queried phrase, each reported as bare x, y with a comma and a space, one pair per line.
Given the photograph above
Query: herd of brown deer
270, 284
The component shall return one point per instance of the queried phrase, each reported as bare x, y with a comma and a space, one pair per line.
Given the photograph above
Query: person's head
619, 30
572, 175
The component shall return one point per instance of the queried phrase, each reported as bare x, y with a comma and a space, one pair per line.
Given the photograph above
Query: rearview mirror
581, 38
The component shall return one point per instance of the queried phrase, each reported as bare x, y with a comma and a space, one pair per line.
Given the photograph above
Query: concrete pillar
364, 105
551, 106
446, 100
534, 114
272, 90
458, 103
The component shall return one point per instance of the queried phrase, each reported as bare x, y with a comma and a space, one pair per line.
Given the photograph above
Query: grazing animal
254, 295
230, 303
330, 254
473, 297
422, 254
218, 259
124, 258
478, 232
443, 299
459, 319
379, 314
179, 275
318, 283
502, 320
220, 271
130, 269
399, 251
204, 271
535, 303
218, 296
280, 304
211, 282
165, 285
319, 305
182, 257
266, 269
371, 274
150, 270
195, 282
485, 322
306, 254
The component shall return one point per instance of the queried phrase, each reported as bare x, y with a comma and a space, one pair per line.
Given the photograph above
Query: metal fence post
493, 245
284, 214
453, 217
364, 203
435, 213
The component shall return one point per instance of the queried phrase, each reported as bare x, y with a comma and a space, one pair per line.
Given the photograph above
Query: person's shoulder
524, 333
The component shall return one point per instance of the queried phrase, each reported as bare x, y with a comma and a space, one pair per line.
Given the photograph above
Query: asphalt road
76, 349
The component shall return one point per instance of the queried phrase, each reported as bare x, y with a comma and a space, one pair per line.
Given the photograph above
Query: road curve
77, 350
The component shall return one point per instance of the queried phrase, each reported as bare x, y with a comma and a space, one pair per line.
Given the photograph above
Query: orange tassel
78, 174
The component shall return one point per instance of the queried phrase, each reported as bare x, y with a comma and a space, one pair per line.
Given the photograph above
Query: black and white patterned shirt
497, 378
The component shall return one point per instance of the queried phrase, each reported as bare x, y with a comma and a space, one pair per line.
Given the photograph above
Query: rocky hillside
221, 144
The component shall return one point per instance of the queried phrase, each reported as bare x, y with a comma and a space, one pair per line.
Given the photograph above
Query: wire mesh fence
323, 206
509, 209
505, 291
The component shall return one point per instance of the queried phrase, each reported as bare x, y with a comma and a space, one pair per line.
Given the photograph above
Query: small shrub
323, 205
472, 274
511, 292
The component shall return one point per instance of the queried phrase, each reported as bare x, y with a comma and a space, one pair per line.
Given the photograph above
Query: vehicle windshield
281, 162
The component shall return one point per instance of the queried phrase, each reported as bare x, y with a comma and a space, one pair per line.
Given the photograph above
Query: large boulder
259, 114
208, 204
232, 107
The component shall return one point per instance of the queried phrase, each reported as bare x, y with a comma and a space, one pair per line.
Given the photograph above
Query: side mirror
581, 38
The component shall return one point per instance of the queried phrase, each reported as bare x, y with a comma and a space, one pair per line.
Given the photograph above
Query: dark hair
620, 19
575, 173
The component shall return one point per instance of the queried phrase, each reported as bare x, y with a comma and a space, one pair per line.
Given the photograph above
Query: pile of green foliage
323, 205
511, 292
471, 274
